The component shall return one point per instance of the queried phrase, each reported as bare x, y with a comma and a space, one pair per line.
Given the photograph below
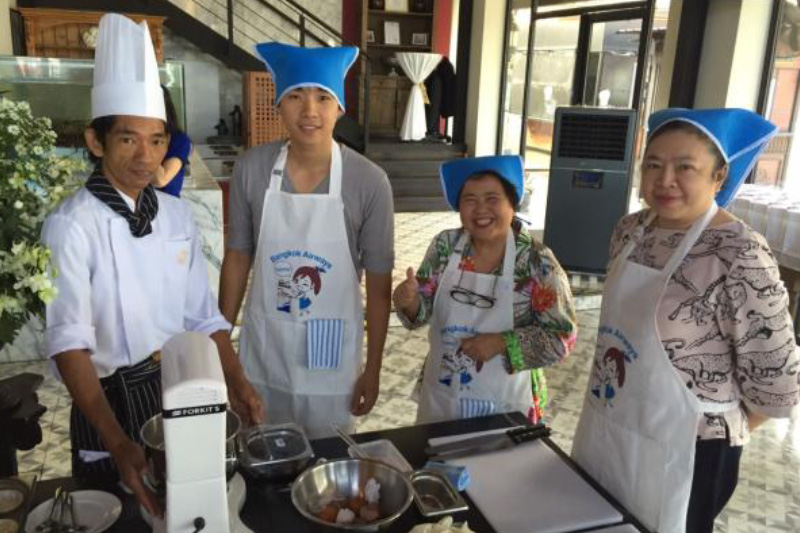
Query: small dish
8, 525
435, 495
95, 509
13, 493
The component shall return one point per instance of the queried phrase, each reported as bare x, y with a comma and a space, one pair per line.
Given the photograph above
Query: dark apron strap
134, 394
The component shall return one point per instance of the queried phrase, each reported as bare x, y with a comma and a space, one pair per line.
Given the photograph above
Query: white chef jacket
87, 314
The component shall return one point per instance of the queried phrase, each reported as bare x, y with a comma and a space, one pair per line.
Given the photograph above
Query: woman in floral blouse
498, 303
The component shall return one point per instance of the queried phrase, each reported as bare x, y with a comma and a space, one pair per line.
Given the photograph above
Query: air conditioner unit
590, 183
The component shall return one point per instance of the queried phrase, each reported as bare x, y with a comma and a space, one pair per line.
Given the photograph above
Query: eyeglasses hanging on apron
468, 297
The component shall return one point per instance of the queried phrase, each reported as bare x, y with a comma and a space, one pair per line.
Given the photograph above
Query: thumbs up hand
406, 295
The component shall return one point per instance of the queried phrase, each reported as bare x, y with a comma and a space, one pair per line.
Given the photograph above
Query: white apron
638, 427
301, 341
452, 385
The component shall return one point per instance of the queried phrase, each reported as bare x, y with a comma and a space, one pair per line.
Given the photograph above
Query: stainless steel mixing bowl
342, 479
152, 434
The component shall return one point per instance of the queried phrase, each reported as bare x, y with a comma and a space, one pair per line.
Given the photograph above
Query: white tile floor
768, 496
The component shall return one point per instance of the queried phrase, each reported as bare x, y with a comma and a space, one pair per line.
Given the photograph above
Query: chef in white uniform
130, 271
638, 434
308, 215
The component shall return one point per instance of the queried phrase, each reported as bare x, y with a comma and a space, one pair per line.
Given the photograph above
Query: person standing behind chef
695, 340
171, 171
308, 215
130, 272
498, 303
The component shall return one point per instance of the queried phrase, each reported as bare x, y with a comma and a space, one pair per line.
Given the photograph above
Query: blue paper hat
739, 134
292, 67
455, 173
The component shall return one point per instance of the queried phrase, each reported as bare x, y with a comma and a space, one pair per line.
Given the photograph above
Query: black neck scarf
146, 206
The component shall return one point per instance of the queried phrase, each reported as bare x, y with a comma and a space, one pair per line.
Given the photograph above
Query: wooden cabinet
72, 34
388, 96
414, 29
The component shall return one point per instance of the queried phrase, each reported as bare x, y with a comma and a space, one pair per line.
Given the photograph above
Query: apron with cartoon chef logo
638, 428
467, 304
302, 332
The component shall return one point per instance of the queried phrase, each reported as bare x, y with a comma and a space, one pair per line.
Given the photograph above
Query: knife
487, 443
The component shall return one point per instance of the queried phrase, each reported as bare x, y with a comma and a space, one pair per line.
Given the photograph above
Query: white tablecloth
774, 214
417, 67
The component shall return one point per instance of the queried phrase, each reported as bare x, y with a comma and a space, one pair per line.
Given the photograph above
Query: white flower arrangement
32, 181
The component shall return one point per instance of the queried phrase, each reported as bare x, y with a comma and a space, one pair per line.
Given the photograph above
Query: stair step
423, 186
410, 168
413, 170
420, 204
379, 151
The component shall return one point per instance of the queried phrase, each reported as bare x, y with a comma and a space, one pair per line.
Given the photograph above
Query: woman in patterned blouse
498, 303
724, 357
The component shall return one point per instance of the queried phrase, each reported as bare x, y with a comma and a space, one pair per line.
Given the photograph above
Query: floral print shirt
545, 327
724, 321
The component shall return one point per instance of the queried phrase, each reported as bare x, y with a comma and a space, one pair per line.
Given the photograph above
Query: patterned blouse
724, 321
545, 328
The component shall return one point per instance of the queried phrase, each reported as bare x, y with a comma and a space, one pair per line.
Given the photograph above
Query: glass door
611, 63
516, 61
552, 72
551, 78
584, 58
779, 164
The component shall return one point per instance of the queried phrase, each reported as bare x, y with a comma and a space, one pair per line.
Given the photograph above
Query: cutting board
530, 489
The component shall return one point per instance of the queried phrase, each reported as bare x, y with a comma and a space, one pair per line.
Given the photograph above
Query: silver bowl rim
228, 411
354, 527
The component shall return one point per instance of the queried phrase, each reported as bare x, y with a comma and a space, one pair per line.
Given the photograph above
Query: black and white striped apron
134, 394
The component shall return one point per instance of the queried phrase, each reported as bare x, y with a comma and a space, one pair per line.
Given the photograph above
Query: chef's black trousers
716, 472
134, 394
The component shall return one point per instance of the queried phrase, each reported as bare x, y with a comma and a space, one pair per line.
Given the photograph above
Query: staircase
413, 169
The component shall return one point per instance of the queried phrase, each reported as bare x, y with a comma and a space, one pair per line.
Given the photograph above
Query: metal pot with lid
274, 451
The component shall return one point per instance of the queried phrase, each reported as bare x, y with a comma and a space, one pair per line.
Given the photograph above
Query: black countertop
269, 507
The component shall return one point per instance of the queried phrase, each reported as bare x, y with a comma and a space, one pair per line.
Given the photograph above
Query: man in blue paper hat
309, 215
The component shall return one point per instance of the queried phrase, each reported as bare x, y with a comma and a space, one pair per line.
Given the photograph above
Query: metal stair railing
223, 47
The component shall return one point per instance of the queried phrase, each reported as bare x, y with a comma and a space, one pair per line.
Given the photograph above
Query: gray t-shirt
366, 193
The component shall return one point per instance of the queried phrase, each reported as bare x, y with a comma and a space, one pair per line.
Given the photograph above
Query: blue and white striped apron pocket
324, 339
472, 407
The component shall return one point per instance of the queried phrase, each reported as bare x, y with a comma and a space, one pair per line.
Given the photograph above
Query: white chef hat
125, 71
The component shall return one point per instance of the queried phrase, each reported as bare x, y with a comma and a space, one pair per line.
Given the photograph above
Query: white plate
95, 509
